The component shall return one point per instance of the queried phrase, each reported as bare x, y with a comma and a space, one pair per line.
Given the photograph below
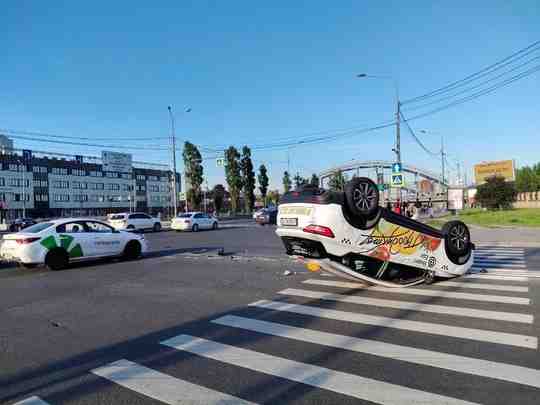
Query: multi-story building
44, 184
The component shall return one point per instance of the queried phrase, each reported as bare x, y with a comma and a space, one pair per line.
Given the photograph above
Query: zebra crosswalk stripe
427, 292
315, 376
494, 287
481, 335
163, 387
412, 306
491, 276
32, 401
468, 365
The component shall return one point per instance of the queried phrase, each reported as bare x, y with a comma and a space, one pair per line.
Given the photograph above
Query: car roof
65, 220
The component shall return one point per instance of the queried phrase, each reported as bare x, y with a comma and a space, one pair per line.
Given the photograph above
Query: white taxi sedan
194, 221
63, 241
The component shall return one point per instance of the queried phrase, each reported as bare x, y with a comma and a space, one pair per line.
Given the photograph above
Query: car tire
29, 265
215, 226
457, 241
157, 227
132, 251
57, 259
362, 197
195, 228
130, 227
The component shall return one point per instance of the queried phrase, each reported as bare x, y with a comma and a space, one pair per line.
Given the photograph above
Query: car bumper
179, 226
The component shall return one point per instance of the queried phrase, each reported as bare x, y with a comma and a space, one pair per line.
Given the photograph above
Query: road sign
396, 168
220, 162
182, 196
397, 180
382, 187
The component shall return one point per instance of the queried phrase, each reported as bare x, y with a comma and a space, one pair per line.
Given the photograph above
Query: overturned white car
350, 235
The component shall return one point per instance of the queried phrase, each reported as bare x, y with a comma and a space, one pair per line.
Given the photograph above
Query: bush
496, 193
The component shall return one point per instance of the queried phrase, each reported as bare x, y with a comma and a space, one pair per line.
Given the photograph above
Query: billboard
502, 168
455, 198
116, 162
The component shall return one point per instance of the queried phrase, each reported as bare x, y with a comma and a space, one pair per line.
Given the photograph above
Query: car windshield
38, 227
113, 217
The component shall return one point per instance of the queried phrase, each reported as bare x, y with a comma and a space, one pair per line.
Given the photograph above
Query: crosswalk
470, 340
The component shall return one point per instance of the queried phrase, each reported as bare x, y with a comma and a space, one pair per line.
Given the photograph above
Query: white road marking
510, 339
315, 376
495, 263
412, 306
488, 276
427, 292
162, 387
32, 401
494, 287
461, 364
496, 268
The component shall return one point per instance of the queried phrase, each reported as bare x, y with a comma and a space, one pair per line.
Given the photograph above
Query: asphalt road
184, 324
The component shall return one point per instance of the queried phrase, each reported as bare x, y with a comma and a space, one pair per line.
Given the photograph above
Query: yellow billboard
501, 168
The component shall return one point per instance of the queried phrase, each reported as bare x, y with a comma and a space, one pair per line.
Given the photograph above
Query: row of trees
337, 181
239, 173
528, 178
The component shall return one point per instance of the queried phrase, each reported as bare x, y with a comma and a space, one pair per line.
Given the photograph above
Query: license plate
289, 221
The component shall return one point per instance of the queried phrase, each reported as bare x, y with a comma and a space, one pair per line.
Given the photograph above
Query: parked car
267, 216
350, 234
21, 223
194, 221
137, 221
60, 242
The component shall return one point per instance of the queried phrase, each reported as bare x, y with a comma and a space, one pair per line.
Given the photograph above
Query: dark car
267, 216
21, 223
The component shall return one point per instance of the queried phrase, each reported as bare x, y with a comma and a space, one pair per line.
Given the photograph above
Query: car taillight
26, 241
187, 221
319, 230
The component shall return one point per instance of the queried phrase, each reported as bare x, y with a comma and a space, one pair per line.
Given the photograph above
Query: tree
218, 193
314, 180
286, 182
233, 175
337, 181
193, 173
248, 178
528, 178
496, 193
263, 182
273, 197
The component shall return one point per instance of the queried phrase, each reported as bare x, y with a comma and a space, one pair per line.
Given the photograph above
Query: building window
15, 182
126, 176
113, 187
40, 183
112, 175
95, 173
80, 197
39, 169
79, 185
61, 197
153, 178
141, 188
2, 182
41, 197
141, 177
16, 168
59, 170
126, 187
153, 189
60, 184
78, 172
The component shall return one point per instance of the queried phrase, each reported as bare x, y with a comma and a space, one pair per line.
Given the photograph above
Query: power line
489, 69
479, 93
81, 138
472, 87
418, 141
86, 144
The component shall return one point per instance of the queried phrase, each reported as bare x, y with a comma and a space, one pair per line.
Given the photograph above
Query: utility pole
458, 172
173, 146
443, 156
398, 129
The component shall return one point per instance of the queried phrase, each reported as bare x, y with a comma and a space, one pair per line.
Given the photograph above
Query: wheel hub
364, 197
459, 237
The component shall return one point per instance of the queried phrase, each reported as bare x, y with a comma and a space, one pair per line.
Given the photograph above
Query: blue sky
253, 73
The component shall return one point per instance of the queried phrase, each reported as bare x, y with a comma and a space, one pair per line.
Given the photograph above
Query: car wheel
157, 227
362, 197
29, 265
457, 239
195, 228
132, 250
215, 226
57, 259
130, 227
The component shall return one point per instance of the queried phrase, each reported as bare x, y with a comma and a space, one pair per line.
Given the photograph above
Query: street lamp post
397, 149
173, 147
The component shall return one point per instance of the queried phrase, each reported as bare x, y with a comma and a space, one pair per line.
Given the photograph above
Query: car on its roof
349, 234
60, 242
